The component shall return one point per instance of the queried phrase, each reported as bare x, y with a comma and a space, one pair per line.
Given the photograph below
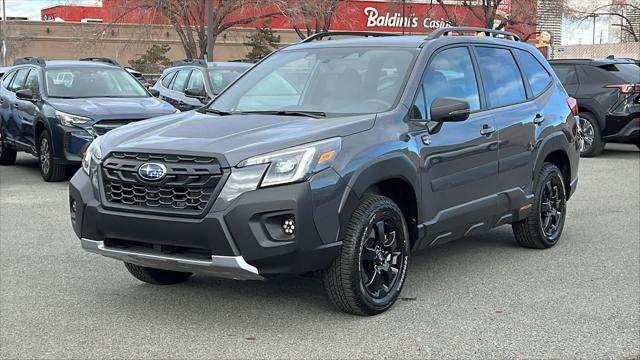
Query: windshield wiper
218, 112
311, 114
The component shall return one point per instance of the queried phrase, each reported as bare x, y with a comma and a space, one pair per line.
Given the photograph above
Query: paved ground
478, 297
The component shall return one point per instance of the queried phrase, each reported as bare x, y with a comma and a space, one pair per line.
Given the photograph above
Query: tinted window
566, 74
418, 110
86, 82
166, 80
180, 81
7, 80
221, 78
628, 72
501, 77
451, 74
18, 82
536, 74
196, 81
32, 82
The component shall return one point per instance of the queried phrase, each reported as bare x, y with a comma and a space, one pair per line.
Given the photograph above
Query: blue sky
574, 32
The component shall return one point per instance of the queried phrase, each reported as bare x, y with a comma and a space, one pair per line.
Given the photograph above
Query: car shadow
620, 151
210, 299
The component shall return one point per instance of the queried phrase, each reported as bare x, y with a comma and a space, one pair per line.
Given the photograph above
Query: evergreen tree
262, 42
153, 60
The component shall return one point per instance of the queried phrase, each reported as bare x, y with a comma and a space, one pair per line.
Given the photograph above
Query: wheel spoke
545, 207
380, 232
368, 254
390, 242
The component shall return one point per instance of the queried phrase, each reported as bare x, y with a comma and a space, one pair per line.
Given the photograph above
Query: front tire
49, 169
7, 154
368, 275
593, 143
156, 276
544, 225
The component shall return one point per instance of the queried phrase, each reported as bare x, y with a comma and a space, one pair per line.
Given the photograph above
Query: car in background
608, 94
138, 75
191, 83
53, 109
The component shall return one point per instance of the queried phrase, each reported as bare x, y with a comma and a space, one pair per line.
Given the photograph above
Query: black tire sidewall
380, 210
549, 172
597, 145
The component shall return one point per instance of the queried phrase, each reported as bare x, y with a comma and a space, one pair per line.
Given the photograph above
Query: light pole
593, 40
404, 3
3, 46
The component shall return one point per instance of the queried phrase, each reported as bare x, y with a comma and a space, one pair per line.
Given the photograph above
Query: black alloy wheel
381, 258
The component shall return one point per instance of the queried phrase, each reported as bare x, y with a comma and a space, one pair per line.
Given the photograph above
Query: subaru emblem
152, 171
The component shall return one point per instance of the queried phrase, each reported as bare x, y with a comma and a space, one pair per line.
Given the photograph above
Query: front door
460, 159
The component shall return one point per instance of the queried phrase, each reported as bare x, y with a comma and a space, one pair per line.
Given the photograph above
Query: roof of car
230, 64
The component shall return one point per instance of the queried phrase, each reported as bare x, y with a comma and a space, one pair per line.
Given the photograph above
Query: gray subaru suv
339, 158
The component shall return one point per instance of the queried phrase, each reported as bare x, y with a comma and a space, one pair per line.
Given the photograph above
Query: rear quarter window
166, 80
566, 74
536, 74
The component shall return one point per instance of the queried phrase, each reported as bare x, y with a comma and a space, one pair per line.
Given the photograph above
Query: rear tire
367, 276
49, 169
593, 143
7, 154
156, 276
543, 227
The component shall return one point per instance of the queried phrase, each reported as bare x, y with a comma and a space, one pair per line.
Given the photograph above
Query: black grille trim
104, 126
189, 189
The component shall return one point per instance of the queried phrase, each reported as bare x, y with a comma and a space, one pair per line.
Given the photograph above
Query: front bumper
242, 241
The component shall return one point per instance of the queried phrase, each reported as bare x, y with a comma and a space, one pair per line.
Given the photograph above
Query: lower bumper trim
232, 267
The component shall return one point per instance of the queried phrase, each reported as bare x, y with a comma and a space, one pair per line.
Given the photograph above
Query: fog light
74, 209
289, 226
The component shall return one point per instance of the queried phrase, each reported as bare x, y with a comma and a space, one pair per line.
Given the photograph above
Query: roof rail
325, 34
194, 62
102, 60
247, 61
34, 60
460, 30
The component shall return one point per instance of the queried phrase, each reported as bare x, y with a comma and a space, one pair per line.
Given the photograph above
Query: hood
113, 108
235, 137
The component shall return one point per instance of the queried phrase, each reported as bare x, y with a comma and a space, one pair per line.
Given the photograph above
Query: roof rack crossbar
194, 62
325, 34
34, 60
462, 29
101, 59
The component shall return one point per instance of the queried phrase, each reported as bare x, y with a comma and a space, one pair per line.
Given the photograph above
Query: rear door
6, 107
460, 159
15, 124
517, 87
178, 86
28, 111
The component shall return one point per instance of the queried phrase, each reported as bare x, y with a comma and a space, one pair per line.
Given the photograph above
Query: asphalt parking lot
480, 297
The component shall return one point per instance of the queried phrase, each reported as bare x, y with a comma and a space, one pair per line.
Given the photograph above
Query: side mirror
195, 93
447, 109
154, 92
27, 95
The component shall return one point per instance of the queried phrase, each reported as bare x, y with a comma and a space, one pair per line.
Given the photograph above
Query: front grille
189, 187
104, 126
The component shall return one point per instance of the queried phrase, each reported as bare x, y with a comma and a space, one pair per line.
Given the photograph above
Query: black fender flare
553, 142
389, 166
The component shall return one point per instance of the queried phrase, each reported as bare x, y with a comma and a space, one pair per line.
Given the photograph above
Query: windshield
221, 78
327, 80
92, 82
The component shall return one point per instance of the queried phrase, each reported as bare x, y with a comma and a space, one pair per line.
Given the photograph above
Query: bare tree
490, 14
308, 17
588, 9
188, 18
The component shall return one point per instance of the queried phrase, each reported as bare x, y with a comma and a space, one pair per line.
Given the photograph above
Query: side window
566, 73
536, 74
451, 74
501, 77
32, 82
180, 81
419, 110
7, 79
196, 81
166, 80
18, 81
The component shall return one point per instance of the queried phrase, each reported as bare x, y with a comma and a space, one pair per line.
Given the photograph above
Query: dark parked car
608, 94
54, 109
339, 157
191, 83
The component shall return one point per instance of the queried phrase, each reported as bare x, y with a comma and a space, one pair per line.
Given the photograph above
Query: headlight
297, 163
70, 119
93, 155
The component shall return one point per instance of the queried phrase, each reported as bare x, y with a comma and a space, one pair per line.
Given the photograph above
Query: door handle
487, 130
538, 119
